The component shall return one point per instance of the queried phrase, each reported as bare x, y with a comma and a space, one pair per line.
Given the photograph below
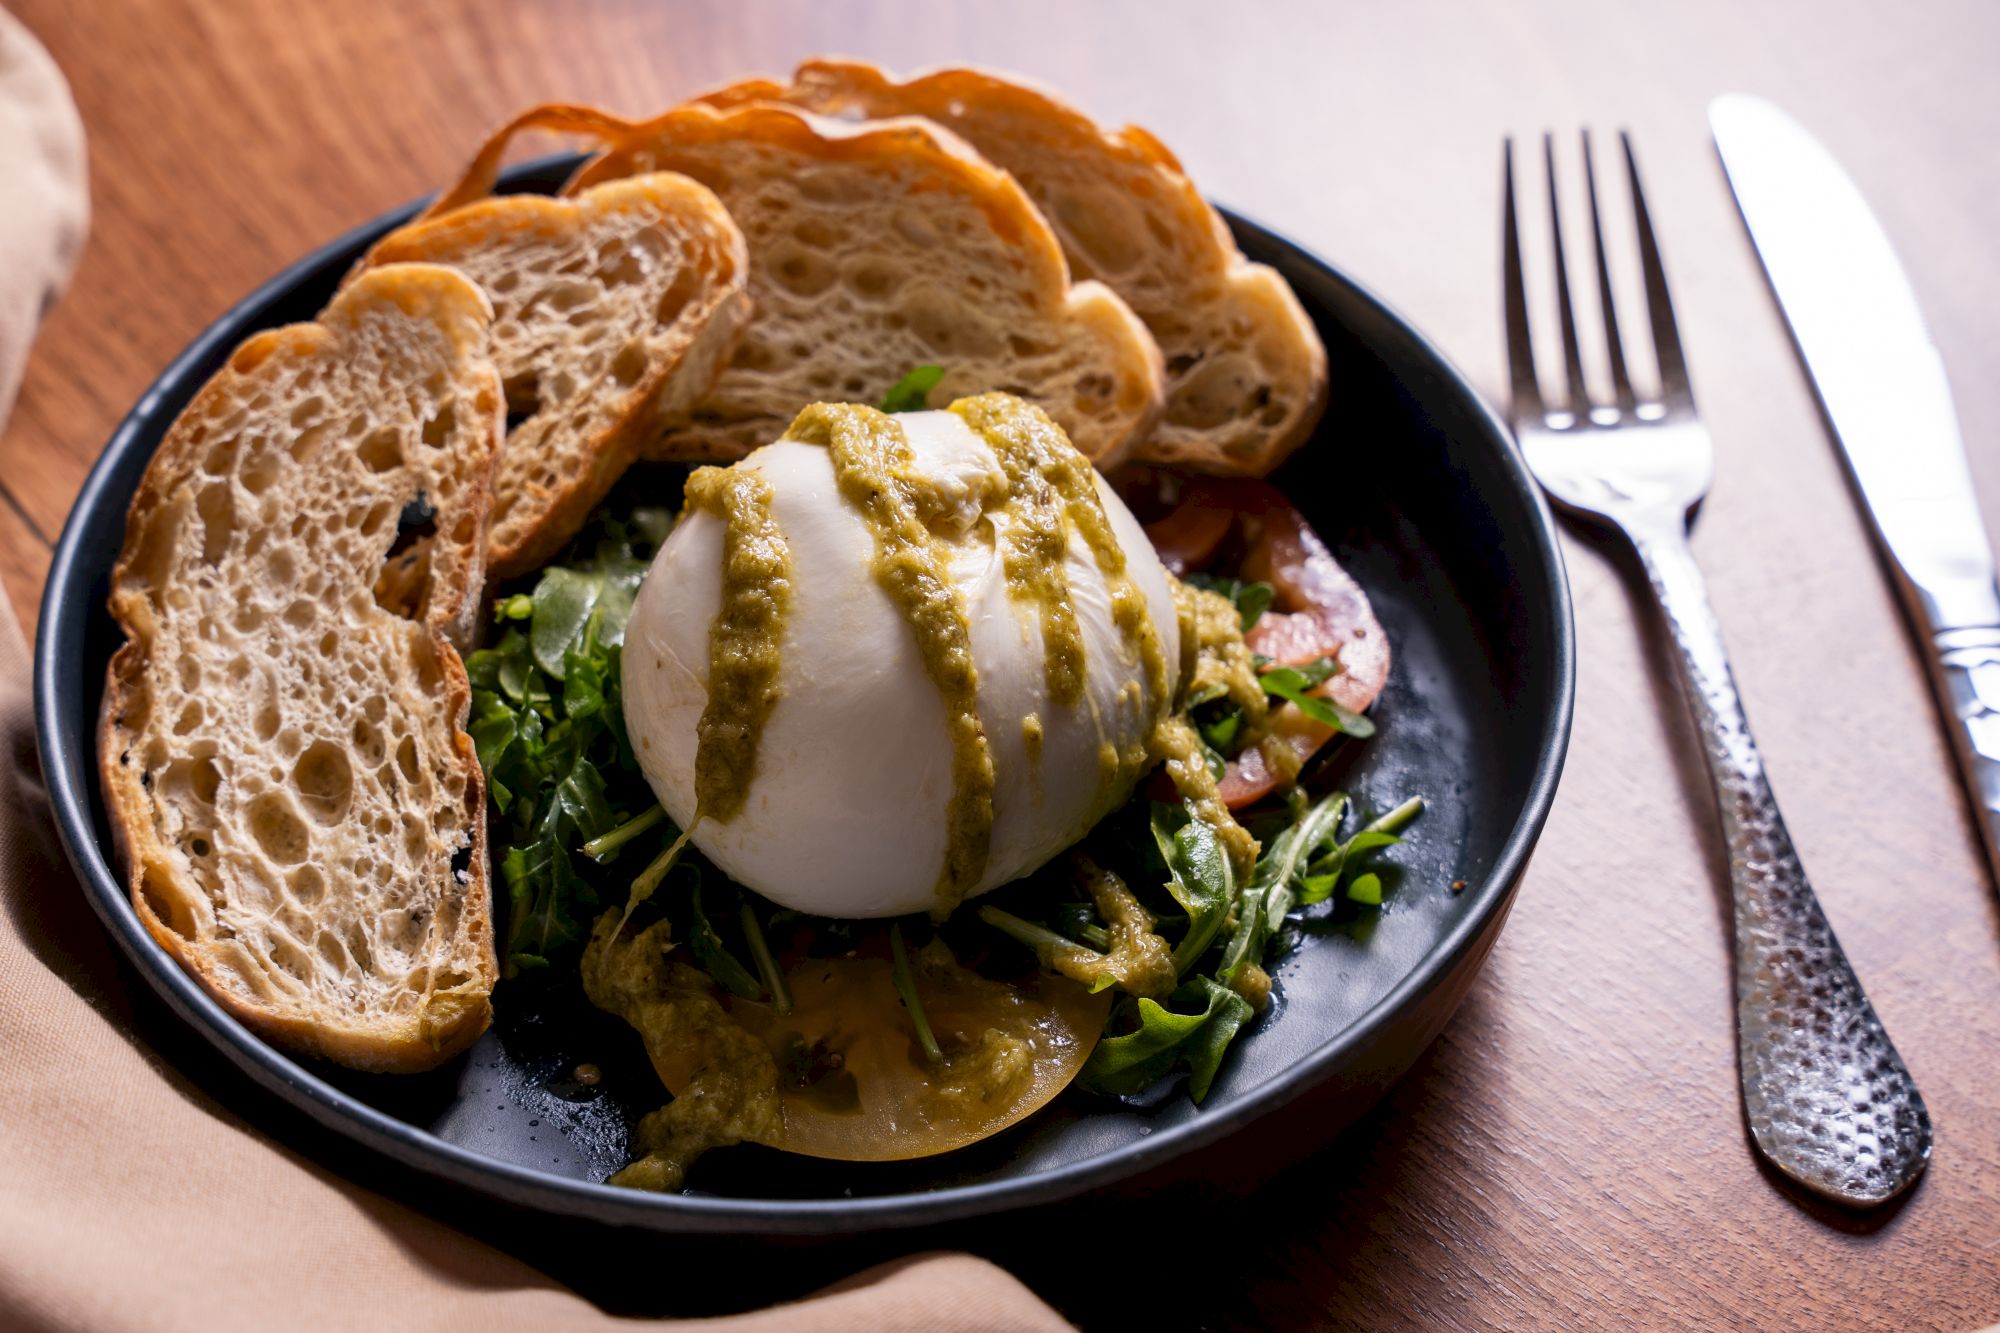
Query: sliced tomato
1249, 779
1188, 538
1318, 611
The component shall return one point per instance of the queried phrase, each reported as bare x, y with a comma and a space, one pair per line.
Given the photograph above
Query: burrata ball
847, 808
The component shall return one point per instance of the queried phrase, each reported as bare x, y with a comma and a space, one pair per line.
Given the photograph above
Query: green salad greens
579, 831
1223, 932
912, 392
548, 722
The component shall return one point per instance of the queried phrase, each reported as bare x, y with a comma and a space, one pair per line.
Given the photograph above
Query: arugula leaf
1325, 873
1196, 1032
544, 895
713, 957
548, 895
1367, 841
567, 598
1252, 599
1273, 889
1289, 853
1318, 670
578, 811
1201, 694
1220, 734
547, 722
1198, 877
912, 392
1291, 684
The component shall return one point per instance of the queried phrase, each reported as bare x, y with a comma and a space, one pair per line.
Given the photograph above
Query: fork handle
1828, 1099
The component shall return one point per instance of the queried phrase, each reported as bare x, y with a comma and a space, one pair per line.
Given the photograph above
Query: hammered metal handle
1828, 1099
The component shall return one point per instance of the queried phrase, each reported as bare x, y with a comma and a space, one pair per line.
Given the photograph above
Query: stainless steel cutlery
1828, 1099
1855, 320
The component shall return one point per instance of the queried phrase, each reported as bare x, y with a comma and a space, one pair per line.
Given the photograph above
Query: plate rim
60, 636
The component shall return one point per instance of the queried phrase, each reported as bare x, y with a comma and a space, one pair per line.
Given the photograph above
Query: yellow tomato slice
855, 1085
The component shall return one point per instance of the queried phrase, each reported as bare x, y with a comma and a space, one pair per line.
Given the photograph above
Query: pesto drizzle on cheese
1052, 491
1034, 543
876, 473
743, 643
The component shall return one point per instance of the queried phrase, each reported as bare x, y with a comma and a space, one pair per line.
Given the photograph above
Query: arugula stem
1243, 945
1397, 818
1196, 943
649, 878
1097, 937
602, 847
906, 988
767, 966
1045, 942
656, 870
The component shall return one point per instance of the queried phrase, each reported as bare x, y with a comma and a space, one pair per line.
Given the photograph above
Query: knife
1854, 317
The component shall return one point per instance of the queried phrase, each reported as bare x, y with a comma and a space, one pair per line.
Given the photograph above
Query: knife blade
1858, 328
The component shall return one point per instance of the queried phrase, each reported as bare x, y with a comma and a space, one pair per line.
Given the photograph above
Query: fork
1827, 1098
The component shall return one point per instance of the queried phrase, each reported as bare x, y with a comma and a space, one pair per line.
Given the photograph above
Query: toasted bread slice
612, 314
298, 808
1246, 372
876, 248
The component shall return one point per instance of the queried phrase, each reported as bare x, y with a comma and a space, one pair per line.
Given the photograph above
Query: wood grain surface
1570, 1154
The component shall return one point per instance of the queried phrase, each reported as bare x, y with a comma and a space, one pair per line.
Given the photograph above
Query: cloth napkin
128, 1198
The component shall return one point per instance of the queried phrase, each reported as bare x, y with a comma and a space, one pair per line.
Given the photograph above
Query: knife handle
1965, 664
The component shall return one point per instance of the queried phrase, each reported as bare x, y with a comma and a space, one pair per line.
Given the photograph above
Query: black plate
1420, 491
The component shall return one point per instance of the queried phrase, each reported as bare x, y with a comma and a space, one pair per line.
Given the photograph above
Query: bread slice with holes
298, 809
874, 248
1246, 372
613, 313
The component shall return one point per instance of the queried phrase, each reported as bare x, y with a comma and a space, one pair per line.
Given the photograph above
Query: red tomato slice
1318, 611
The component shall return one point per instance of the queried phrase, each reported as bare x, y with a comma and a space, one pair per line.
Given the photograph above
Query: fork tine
1520, 348
1674, 388
1579, 398
1621, 382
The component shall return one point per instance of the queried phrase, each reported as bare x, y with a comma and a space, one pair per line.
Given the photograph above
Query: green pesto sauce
1035, 541
1052, 490
725, 1082
1217, 657
1214, 657
743, 642
1031, 743
1180, 745
1222, 663
874, 468
1140, 960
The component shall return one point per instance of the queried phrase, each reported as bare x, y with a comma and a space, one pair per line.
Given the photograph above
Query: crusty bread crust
299, 812
874, 248
1246, 372
613, 314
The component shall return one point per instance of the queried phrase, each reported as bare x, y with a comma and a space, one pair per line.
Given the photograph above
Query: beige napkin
128, 1199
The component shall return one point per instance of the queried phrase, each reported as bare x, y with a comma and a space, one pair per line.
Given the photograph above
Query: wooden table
1570, 1154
